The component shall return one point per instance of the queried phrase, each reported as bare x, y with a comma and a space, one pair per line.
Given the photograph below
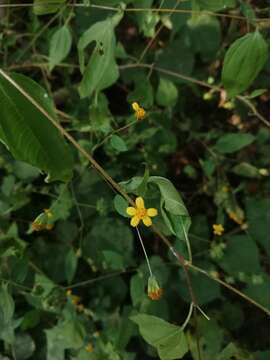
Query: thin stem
203, 313
144, 251
230, 287
187, 242
113, 133
191, 307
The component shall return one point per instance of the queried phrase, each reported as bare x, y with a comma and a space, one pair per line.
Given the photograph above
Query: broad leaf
243, 61
168, 339
60, 46
28, 134
118, 143
101, 70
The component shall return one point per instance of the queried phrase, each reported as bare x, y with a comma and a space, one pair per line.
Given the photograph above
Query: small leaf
257, 93
167, 93
137, 289
230, 143
60, 46
168, 339
118, 144
113, 259
120, 205
243, 62
44, 7
247, 170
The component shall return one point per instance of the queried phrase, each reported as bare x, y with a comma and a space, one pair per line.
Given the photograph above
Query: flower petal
139, 202
152, 212
147, 221
134, 221
135, 106
131, 211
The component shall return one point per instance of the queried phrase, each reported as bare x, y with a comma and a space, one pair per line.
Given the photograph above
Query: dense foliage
135, 189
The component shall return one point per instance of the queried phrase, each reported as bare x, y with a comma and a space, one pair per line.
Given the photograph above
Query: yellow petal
134, 221
139, 202
152, 212
135, 106
147, 221
131, 211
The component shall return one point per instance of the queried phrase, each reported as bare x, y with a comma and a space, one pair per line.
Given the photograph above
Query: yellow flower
89, 348
153, 289
139, 213
139, 111
218, 229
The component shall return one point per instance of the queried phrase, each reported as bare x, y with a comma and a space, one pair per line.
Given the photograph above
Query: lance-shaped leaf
60, 46
243, 62
173, 209
28, 134
101, 70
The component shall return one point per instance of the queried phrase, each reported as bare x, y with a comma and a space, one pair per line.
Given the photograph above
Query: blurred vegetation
104, 102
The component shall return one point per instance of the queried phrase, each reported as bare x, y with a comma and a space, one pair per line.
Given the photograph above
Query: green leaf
173, 209
101, 70
28, 134
260, 292
118, 144
7, 308
205, 290
120, 205
257, 93
167, 93
44, 7
71, 262
147, 20
66, 335
232, 142
137, 289
113, 260
143, 91
231, 351
243, 62
211, 339
205, 35
24, 346
258, 216
247, 170
168, 339
241, 255
60, 45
